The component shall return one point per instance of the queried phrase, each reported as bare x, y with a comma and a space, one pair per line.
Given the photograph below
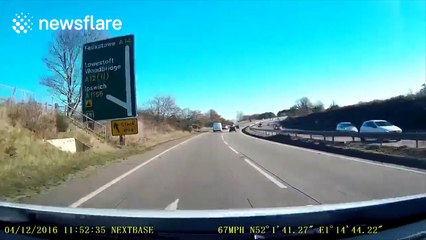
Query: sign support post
122, 140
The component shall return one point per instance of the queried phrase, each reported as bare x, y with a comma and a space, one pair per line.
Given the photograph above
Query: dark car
232, 129
237, 126
259, 125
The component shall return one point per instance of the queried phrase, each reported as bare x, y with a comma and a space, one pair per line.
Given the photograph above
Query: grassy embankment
409, 113
28, 164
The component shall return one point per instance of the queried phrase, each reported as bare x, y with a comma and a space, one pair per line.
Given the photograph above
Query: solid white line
389, 165
235, 151
173, 205
222, 137
272, 179
114, 181
128, 87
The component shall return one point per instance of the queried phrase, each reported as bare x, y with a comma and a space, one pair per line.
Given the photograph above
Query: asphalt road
232, 170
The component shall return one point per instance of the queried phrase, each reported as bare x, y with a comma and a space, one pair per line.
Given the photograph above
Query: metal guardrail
82, 121
378, 136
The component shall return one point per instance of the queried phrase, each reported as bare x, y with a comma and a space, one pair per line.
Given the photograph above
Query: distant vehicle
232, 128
237, 126
346, 127
226, 127
217, 127
277, 127
378, 126
259, 125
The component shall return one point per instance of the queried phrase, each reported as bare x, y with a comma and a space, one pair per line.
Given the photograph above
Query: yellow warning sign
124, 126
88, 103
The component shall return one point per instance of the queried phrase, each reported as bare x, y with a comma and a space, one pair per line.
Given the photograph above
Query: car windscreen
383, 123
118, 112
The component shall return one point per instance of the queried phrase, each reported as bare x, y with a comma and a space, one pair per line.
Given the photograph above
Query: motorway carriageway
232, 170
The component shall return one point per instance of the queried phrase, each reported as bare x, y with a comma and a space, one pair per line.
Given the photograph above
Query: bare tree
422, 91
162, 107
195, 114
318, 107
64, 61
186, 113
333, 106
304, 103
304, 106
213, 115
198, 118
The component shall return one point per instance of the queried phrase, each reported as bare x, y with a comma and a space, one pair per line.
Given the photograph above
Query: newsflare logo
23, 23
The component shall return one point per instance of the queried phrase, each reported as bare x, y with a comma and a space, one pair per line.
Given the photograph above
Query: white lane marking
117, 179
389, 165
173, 205
222, 137
235, 151
272, 179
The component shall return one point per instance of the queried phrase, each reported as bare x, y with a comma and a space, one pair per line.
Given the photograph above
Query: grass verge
404, 151
29, 165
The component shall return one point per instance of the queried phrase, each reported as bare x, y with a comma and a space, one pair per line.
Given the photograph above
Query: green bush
62, 123
11, 151
187, 128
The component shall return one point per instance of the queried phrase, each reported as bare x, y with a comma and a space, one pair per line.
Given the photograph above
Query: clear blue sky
250, 56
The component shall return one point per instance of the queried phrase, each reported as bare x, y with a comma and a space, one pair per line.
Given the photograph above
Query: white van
217, 127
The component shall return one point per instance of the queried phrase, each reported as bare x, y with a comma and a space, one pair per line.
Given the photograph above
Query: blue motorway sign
108, 81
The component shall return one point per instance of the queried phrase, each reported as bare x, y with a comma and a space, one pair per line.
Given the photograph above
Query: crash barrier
379, 137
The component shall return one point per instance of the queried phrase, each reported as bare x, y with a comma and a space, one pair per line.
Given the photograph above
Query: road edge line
122, 176
271, 178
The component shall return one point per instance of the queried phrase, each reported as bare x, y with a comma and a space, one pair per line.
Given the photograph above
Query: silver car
346, 127
379, 126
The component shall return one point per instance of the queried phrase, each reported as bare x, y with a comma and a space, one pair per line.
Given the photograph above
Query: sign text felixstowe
108, 82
